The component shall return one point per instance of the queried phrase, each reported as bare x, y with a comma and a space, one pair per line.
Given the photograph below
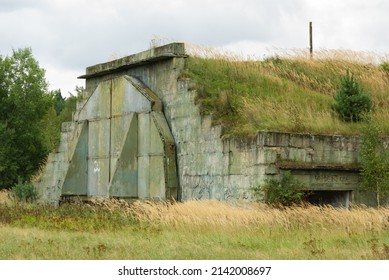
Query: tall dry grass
215, 214
115, 229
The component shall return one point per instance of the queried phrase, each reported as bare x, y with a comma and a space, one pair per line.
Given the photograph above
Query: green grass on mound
290, 94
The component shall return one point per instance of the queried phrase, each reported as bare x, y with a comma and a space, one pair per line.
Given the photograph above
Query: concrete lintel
294, 165
150, 56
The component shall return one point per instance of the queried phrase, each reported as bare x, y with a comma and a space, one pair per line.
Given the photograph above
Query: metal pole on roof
310, 40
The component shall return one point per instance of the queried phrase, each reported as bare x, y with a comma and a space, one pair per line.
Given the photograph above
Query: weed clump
286, 191
25, 192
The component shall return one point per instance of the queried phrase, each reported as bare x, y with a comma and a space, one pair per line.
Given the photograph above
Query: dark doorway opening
333, 198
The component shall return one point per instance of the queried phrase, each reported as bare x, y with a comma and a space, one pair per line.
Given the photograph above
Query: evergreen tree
59, 101
351, 103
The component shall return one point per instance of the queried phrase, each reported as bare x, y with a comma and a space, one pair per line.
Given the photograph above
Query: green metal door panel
119, 130
127, 99
98, 105
127, 149
98, 157
156, 141
144, 177
98, 177
144, 134
99, 138
124, 182
137, 90
118, 96
76, 178
157, 177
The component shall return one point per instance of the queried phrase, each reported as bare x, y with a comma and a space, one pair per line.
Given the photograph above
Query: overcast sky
66, 36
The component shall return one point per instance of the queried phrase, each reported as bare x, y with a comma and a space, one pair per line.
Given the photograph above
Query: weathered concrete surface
194, 161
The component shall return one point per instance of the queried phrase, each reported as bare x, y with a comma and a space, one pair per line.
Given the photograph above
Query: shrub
24, 192
286, 192
351, 103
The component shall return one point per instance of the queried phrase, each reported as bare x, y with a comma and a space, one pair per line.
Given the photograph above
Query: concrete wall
209, 166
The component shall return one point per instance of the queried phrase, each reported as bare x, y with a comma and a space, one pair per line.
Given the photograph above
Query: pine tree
351, 103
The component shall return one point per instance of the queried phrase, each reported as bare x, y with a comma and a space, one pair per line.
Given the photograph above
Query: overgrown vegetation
112, 229
374, 161
285, 93
285, 191
25, 192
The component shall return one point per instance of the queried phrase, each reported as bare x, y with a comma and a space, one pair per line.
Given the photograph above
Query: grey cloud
74, 34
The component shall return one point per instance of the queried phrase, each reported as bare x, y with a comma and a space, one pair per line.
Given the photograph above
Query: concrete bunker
138, 133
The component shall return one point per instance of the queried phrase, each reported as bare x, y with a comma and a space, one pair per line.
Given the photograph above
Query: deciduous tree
23, 104
374, 161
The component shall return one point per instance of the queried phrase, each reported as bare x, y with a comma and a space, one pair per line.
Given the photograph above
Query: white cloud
67, 36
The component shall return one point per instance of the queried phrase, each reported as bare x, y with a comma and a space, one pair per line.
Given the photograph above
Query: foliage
69, 107
30, 117
286, 192
60, 111
351, 103
374, 161
59, 101
23, 104
24, 192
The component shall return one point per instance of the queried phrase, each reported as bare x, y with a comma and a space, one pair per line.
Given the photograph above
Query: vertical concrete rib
110, 132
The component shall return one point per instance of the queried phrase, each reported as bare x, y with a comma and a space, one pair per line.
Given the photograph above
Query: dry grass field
112, 229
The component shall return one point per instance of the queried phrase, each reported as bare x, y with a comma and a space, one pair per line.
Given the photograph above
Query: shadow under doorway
333, 198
